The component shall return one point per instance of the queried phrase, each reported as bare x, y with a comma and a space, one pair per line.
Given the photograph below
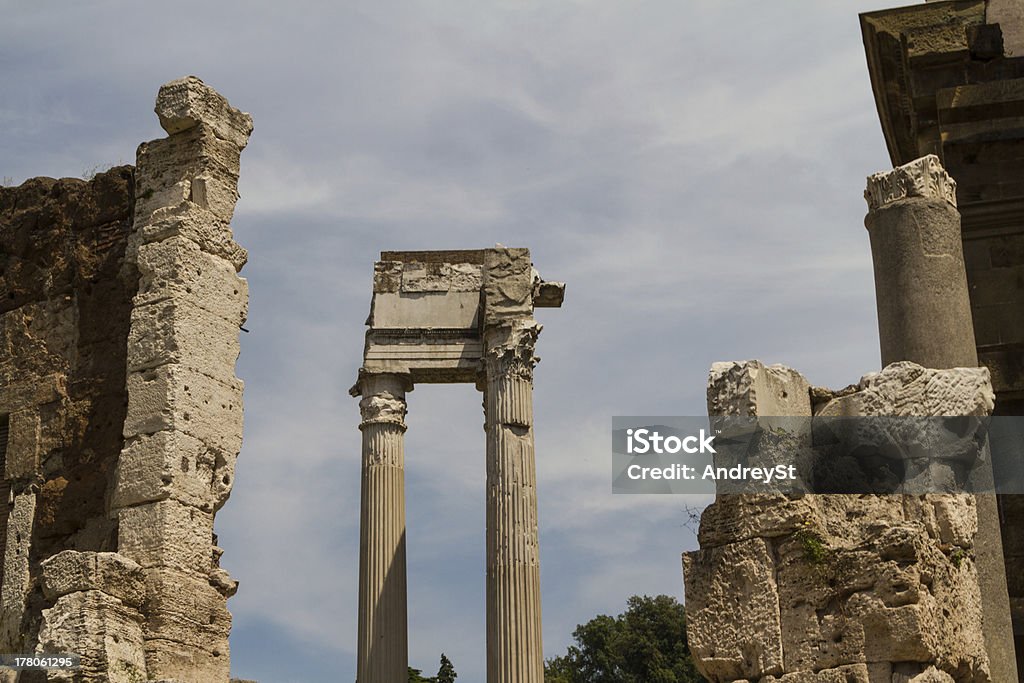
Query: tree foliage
416, 676
445, 674
645, 644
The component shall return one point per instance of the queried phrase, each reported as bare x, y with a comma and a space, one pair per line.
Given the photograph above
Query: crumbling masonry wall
120, 308
64, 319
839, 588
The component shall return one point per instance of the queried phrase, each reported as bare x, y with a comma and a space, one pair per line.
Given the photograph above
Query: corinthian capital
924, 177
383, 407
509, 348
383, 398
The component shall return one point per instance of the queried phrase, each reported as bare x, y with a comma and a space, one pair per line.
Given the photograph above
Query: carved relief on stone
924, 177
907, 389
508, 284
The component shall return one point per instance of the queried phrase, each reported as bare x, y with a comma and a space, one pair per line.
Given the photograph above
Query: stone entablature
429, 309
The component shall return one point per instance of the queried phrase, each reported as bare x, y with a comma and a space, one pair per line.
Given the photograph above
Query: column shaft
514, 644
383, 653
924, 309
924, 316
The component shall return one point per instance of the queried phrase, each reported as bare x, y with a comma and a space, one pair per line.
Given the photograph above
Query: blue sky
692, 169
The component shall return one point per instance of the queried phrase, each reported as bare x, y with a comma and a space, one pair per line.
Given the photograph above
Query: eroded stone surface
105, 632
174, 397
732, 611
188, 102
839, 587
70, 571
508, 284
178, 269
907, 389
64, 317
172, 464
183, 425
751, 388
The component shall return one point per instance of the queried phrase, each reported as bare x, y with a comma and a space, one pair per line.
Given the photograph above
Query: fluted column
383, 637
514, 647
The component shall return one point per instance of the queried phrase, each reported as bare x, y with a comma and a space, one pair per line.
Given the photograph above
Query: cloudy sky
692, 169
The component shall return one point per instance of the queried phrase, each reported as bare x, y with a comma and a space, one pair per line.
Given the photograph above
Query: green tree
416, 676
645, 644
446, 674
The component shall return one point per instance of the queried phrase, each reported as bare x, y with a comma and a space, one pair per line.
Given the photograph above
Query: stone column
924, 310
514, 647
924, 316
183, 422
383, 630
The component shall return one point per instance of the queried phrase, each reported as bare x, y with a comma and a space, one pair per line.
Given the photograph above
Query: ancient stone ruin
120, 412
845, 588
896, 588
121, 416
948, 79
444, 317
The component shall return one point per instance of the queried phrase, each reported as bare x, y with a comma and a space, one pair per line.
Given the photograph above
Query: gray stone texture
839, 587
924, 310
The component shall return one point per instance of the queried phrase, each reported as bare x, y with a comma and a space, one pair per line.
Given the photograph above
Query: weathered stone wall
183, 427
64, 317
844, 588
120, 309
